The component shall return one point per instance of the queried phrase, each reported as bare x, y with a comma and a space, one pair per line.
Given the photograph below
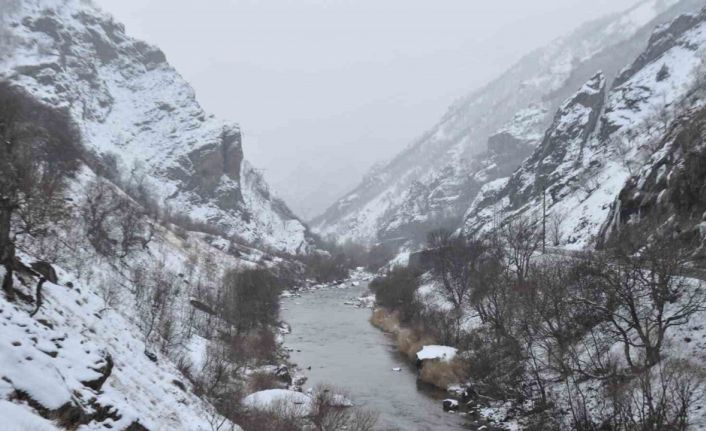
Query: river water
345, 351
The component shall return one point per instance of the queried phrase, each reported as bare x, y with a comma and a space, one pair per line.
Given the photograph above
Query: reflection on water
343, 349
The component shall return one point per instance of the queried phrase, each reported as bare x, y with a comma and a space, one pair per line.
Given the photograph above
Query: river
344, 350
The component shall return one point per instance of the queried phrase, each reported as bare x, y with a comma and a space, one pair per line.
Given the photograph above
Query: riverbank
333, 342
445, 375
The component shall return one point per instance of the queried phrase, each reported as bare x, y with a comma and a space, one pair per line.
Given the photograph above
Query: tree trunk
7, 251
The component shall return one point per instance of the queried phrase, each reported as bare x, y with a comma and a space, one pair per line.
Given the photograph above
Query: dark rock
105, 370
663, 39
202, 307
670, 192
136, 426
151, 356
283, 375
450, 405
46, 25
46, 270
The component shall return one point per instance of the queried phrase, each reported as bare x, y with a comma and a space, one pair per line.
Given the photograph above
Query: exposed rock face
433, 181
555, 164
134, 108
669, 193
663, 39
607, 145
565, 140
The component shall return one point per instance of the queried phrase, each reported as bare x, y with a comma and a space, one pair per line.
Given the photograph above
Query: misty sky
325, 88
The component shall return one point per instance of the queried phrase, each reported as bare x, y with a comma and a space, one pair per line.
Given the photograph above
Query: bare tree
38, 150
646, 296
661, 115
556, 219
115, 225
522, 239
462, 265
659, 398
458, 262
625, 151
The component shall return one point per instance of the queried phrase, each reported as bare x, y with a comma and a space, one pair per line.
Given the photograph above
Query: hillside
486, 135
139, 118
112, 309
616, 156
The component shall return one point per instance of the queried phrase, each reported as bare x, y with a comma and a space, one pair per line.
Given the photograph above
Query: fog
323, 89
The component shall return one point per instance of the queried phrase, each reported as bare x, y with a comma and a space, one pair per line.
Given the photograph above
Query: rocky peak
603, 145
133, 107
572, 125
663, 38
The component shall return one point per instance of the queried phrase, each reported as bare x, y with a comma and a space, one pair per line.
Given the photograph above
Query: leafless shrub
109, 291
263, 381
328, 413
645, 296
249, 299
555, 221
522, 239
156, 292
658, 399
115, 225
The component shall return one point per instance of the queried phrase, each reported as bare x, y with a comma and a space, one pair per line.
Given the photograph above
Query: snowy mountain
616, 156
485, 136
109, 321
140, 118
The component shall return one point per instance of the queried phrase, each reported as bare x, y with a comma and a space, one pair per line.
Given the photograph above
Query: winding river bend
344, 350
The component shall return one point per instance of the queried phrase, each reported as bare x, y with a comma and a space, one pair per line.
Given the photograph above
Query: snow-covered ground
75, 354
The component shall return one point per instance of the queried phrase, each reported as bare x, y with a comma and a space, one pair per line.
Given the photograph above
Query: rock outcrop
432, 182
613, 156
139, 118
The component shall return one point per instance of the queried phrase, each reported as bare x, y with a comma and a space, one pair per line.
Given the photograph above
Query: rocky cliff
625, 155
138, 117
433, 181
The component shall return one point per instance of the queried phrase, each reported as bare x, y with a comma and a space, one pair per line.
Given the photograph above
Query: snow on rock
16, 417
486, 135
293, 402
434, 352
585, 161
450, 404
75, 355
137, 115
338, 400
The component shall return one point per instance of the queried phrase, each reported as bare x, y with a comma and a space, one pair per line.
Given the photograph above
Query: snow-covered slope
433, 181
122, 340
669, 191
585, 160
97, 352
77, 365
138, 116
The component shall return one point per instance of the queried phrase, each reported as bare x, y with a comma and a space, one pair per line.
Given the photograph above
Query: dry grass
386, 320
442, 374
409, 342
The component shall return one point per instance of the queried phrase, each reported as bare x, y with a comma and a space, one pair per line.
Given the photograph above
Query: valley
531, 262
344, 350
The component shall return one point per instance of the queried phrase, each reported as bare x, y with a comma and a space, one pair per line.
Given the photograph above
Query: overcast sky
325, 88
